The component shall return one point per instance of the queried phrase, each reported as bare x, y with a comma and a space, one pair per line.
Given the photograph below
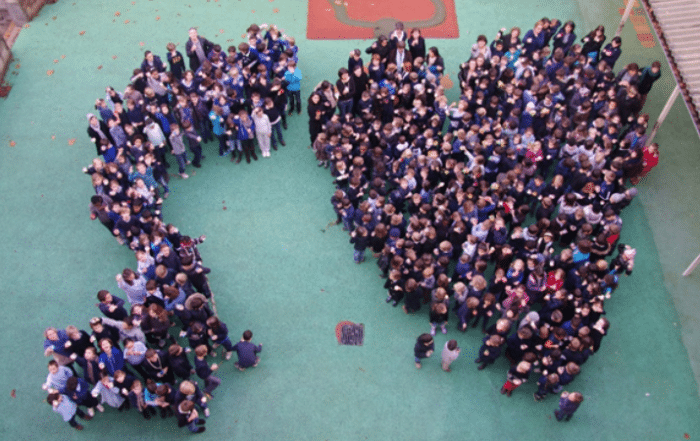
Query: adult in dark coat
396, 55
197, 49
380, 47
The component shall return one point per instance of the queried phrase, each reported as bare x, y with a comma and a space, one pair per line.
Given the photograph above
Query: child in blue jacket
568, 403
293, 78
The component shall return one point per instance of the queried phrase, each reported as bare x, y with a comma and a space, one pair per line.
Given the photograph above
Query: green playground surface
276, 272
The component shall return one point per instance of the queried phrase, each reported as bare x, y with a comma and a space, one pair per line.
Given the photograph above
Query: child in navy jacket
180, 365
568, 403
490, 350
247, 352
218, 332
360, 239
424, 348
111, 306
204, 371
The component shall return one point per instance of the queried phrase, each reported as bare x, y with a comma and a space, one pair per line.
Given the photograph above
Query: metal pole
625, 16
664, 113
691, 267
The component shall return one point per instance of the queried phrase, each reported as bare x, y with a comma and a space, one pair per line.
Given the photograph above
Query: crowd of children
237, 97
131, 358
499, 210
131, 365
521, 183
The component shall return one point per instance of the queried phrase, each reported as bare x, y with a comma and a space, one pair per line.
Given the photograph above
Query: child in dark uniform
394, 286
178, 361
360, 239
490, 350
424, 348
247, 352
438, 316
568, 403
517, 375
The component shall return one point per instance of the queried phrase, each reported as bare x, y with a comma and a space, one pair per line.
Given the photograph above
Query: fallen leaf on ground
114, 57
126, 21
71, 141
13, 393
158, 18
253, 11
49, 72
12, 143
117, 14
27, 25
53, 136
62, 57
276, 10
221, 31
55, 61
99, 67
142, 43
81, 33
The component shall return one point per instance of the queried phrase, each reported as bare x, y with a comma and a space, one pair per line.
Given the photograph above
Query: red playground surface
361, 19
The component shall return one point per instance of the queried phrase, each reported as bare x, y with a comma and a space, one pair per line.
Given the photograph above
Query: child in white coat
109, 393
449, 354
263, 130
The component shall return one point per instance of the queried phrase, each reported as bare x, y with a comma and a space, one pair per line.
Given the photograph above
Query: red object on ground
328, 19
339, 329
